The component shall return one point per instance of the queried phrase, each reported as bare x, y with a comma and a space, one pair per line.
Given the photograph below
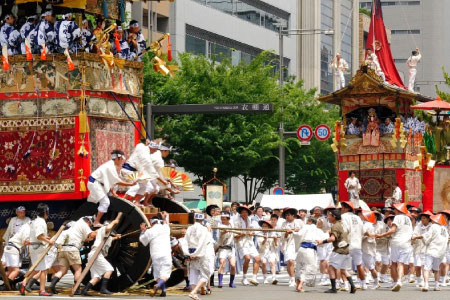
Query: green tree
243, 146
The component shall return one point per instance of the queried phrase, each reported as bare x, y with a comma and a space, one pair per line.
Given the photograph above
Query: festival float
61, 115
418, 160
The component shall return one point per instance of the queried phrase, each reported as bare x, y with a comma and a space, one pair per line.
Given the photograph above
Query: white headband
199, 216
135, 25
117, 155
153, 145
47, 13
164, 148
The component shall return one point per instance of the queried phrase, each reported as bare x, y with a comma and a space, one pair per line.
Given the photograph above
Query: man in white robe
102, 181
38, 241
198, 237
353, 187
411, 63
157, 237
101, 267
288, 243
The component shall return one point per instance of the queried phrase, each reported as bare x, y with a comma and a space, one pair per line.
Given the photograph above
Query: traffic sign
278, 191
322, 132
304, 133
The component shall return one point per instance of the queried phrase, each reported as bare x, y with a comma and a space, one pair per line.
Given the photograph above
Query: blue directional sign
304, 133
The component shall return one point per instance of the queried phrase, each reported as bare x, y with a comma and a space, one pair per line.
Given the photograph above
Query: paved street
280, 291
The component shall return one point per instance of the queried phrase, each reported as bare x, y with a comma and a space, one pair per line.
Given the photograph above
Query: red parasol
437, 105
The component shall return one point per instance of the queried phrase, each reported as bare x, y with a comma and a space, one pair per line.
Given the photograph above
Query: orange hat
402, 208
445, 212
349, 203
369, 216
439, 219
427, 213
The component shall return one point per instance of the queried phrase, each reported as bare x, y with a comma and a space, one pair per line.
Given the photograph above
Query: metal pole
150, 121
281, 150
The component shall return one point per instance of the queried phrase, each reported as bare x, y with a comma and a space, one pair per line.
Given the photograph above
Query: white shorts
385, 259
251, 251
162, 267
356, 255
431, 263
226, 253
378, 257
447, 256
103, 205
289, 253
419, 260
100, 266
11, 259
401, 255
339, 261
368, 261
45, 264
269, 258
324, 252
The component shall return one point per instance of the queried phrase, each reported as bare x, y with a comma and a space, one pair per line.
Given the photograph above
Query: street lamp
281, 150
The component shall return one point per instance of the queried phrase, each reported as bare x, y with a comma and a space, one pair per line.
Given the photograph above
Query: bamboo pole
93, 259
180, 226
43, 254
2, 271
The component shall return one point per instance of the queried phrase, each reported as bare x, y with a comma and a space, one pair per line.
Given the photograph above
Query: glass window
195, 45
222, 5
219, 52
248, 12
235, 57
246, 58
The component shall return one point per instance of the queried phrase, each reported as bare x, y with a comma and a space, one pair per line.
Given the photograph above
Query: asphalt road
270, 292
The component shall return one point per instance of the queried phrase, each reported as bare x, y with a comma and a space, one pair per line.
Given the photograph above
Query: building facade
153, 16
419, 24
317, 51
236, 29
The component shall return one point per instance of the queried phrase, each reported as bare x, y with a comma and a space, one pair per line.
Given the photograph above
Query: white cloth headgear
164, 148
153, 145
117, 155
199, 216
20, 208
47, 13
173, 242
135, 25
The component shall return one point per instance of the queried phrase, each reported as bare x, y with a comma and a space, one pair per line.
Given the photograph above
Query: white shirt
309, 233
413, 60
397, 195
351, 183
184, 245
20, 237
158, 236
14, 226
158, 162
142, 161
435, 240
101, 234
419, 230
197, 237
354, 226
245, 241
296, 224
225, 239
107, 175
38, 227
75, 235
402, 236
382, 243
369, 244
340, 66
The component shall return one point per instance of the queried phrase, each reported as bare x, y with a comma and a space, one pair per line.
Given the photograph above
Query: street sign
238, 108
304, 134
278, 191
322, 132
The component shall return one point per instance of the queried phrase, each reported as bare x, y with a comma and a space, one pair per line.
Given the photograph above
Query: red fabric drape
377, 40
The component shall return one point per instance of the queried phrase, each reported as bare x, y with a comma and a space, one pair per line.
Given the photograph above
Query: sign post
304, 134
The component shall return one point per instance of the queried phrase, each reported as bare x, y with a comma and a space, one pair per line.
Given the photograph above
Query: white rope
409, 27
346, 26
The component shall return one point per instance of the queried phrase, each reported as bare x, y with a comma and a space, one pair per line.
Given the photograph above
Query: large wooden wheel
130, 259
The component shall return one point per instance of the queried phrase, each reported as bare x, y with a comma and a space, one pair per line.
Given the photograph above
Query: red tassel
169, 49
116, 41
28, 52
5, 63
43, 53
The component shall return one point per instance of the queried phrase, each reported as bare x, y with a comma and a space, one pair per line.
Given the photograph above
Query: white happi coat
39, 226
14, 226
435, 240
142, 161
106, 177
74, 237
100, 265
198, 237
306, 260
15, 245
245, 241
354, 226
158, 238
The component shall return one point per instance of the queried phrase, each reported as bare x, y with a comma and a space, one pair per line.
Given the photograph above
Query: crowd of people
44, 34
331, 242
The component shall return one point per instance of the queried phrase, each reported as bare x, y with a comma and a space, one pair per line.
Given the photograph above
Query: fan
135, 176
173, 175
186, 182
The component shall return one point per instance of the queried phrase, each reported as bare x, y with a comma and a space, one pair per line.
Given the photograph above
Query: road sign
304, 133
278, 191
322, 132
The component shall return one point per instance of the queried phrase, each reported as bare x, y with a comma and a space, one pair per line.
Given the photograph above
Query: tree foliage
243, 146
